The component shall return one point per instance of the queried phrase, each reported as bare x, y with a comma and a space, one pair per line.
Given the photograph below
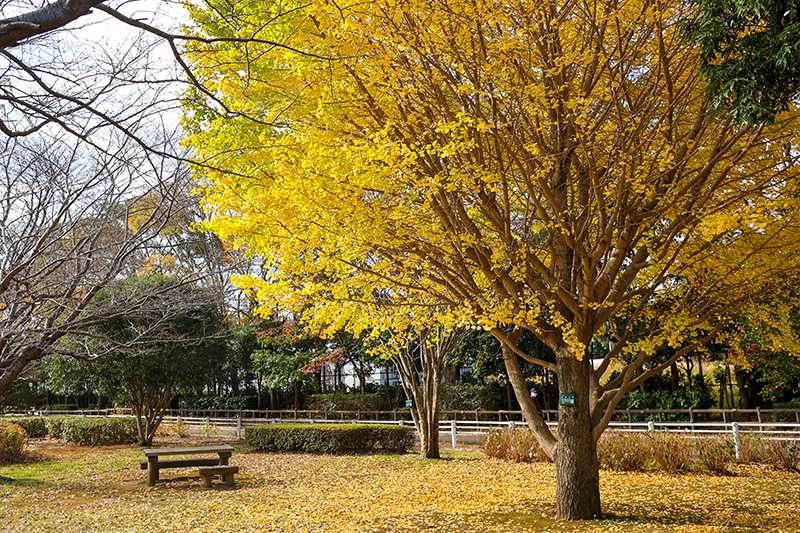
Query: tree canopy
542, 166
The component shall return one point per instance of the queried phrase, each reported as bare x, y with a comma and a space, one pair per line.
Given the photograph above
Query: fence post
453, 433
758, 415
208, 427
651, 426
737, 446
239, 426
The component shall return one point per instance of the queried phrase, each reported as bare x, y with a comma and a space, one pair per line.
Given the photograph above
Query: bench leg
228, 479
207, 481
152, 472
223, 458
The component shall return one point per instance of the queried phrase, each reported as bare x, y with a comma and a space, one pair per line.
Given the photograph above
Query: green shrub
95, 431
623, 451
713, 454
513, 444
34, 426
671, 453
55, 426
329, 438
12, 441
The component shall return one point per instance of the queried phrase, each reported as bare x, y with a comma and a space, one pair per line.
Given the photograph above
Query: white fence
768, 424
786, 431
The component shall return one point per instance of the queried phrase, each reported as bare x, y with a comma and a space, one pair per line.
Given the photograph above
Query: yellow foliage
548, 165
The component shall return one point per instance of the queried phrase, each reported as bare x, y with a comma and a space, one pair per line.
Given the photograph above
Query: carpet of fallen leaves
102, 489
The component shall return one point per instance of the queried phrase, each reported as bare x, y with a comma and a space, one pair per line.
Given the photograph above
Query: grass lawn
102, 489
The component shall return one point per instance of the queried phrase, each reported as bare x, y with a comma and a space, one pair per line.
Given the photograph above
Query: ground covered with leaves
102, 489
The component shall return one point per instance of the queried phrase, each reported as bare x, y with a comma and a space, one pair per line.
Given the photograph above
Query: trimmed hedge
95, 431
89, 431
330, 438
34, 426
12, 441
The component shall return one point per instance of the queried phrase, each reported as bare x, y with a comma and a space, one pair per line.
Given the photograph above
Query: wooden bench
226, 472
154, 464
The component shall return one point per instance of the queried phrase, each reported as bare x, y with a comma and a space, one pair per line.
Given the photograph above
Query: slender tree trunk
429, 410
575, 457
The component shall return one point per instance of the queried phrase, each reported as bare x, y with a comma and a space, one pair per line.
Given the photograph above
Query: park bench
154, 463
226, 472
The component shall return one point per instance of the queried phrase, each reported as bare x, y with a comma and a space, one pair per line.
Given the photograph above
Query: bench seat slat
181, 463
151, 452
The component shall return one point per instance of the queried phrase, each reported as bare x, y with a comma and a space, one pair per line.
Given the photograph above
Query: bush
55, 426
514, 444
329, 438
713, 454
783, 455
95, 431
670, 452
34, 426
12, 441
623, 451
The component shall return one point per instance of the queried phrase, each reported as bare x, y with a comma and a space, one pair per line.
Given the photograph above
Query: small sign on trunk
567, 399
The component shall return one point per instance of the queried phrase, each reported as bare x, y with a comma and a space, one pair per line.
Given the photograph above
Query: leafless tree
90, 98
71, 221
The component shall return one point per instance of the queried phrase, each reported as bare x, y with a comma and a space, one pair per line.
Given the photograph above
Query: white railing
767, 430
236, 421
621, 415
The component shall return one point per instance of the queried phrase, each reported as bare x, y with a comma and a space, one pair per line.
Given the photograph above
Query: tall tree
420, 362
71, 222
541, 166
285, 349
141, 356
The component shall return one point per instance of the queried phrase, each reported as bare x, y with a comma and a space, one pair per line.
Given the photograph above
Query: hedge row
79, 430
330, 438
12, 441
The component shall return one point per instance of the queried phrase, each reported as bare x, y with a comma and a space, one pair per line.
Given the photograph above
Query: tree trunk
296, 395
429, 410
429, 431
575, 457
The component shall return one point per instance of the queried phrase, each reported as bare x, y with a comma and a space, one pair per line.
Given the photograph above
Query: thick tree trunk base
577, 483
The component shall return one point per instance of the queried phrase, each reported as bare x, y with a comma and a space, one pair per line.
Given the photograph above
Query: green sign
567, 398
408, 403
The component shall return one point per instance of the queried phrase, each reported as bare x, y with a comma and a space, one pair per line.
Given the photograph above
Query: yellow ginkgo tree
545, 165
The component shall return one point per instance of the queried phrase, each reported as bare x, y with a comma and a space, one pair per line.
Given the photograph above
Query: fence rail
768, 423
625, 415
